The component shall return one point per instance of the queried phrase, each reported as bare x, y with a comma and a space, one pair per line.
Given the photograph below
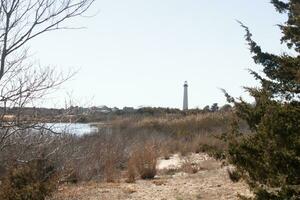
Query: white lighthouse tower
185, 96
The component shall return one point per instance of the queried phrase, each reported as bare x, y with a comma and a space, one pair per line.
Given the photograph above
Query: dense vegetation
263, 142
269, 159
103, 155
95, 114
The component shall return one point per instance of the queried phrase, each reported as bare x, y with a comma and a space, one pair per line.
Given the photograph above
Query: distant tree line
103, 113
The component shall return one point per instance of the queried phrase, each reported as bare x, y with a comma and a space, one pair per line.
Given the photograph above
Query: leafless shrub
111, 159
209, 143
189, 166
184, 134
99, 156
69, 176
105, 155
131, 171
110, 171
33, 180
145, 158
185, 148
165, 150
23, 82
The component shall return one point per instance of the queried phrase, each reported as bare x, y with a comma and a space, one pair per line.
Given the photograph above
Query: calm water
72, 128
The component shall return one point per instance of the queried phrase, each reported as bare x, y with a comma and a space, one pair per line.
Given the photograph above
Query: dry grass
169, 171
210, 184
209, 165
34, 180
132, 145
190, 167
103, 156
178, 124
131, 172
180, 133
111, 173
191, 164
144, 159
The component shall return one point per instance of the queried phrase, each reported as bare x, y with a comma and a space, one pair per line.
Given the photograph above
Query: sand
211, 182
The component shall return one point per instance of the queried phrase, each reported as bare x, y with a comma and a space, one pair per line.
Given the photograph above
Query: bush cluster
34, 180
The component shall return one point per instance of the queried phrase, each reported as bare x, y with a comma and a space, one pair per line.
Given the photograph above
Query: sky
139, 52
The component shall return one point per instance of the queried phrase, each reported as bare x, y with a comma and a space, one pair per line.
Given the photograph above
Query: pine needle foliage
269, 158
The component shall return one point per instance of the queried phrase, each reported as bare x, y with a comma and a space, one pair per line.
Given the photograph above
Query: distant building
115, 109
128, 109
185, 96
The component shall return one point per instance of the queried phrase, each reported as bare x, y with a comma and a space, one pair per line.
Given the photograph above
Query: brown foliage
131, 172
144, 158
190, 167
30, 181
110, 167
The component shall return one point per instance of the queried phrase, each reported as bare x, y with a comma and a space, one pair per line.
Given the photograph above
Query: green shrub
233, 175
269, 157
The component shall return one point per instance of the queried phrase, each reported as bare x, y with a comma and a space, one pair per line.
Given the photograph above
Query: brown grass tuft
131, 172
144, 159
189, 166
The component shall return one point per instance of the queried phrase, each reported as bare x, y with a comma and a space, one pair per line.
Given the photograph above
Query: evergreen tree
206, 108
269, 158
214, 107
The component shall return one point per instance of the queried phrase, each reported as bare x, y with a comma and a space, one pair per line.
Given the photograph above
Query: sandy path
210, 183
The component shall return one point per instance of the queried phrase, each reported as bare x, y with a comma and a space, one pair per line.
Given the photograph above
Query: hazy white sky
140, 52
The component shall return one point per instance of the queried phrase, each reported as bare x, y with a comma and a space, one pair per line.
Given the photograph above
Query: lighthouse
185, 96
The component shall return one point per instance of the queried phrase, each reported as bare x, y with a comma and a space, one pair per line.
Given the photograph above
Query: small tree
206, 109
214, 107
21, 82
269, 159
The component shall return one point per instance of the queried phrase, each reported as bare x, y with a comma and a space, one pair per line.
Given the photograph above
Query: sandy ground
211, 182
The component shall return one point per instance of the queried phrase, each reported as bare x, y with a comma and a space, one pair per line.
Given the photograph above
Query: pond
73, 128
